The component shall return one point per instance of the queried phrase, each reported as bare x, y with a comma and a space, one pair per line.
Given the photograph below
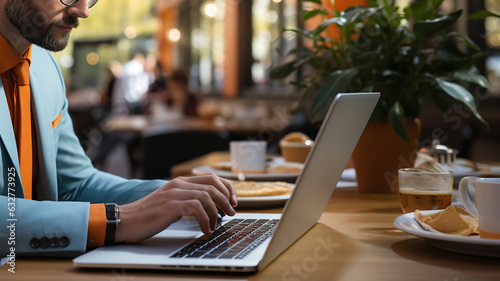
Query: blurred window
269, 18
207, 45
208, 42
492, 26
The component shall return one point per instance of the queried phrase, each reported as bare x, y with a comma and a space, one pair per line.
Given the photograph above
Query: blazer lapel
9, 140
47, 176
6, 129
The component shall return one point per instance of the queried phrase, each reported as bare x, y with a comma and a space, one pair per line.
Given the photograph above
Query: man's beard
33, 26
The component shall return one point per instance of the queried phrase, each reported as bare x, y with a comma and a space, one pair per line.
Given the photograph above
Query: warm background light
67, 61
174, 35
130, 32
93, 58
210, 9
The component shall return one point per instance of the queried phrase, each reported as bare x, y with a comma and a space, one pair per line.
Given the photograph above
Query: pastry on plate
253, 188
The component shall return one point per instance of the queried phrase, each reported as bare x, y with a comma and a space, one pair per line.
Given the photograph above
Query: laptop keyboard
233, 240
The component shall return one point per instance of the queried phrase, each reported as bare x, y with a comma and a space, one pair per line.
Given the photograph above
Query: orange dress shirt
9, 58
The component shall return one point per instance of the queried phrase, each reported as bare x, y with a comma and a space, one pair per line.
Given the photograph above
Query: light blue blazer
67, 182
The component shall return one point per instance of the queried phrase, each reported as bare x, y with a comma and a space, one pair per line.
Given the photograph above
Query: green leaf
383, 2
311, 13
397, 121
300, 51
461, 94
390, 72
282, 71
324, 25
357, 14
316, 62
481, 15
472, 75
419, 10
301, 32
351, 15
301, 54
336, 82
466, 39
425, 28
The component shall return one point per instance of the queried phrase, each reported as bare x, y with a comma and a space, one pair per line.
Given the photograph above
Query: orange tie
21, 71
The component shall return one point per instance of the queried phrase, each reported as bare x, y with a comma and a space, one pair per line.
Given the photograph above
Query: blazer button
34, 243
54, 242
44, 242
63, 242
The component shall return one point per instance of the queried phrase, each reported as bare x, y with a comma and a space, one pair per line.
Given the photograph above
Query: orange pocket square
56, 121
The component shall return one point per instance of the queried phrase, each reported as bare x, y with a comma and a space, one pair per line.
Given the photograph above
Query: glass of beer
424, 190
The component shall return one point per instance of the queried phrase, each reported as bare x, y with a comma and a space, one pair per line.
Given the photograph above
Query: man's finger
203, 197
223, 185
195, 208
215, 193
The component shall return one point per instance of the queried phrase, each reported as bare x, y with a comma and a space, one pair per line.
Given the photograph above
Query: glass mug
487, 207
424, 190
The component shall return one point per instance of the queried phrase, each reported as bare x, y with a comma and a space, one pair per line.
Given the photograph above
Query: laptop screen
334, 144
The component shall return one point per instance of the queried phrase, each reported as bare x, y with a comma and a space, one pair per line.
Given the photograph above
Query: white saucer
286, 177
472, 245
263, 201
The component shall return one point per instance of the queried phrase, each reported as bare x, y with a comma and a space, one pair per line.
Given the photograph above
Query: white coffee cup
248, 157
487, 212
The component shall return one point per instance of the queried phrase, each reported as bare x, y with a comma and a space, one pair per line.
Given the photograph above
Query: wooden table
184, 169
363, 244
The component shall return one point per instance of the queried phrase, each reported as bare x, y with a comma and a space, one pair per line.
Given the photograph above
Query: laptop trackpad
187, 227
162, 244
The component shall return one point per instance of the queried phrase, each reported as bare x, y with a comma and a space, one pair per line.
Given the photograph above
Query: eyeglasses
71, 2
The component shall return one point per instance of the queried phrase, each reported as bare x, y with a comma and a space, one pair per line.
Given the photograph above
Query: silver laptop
248, 242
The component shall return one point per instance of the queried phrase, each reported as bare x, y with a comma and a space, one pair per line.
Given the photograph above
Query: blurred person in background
109, 140
159, 85
178, 96
113, 70
170, 97
157, 107
62, 205
129, 91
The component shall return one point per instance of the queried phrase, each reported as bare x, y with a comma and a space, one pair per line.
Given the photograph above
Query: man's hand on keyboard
198, 196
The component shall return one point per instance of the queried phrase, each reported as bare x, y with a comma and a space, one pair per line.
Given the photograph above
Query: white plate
277, 200
264, 201
458, 175
472, 245
286, 177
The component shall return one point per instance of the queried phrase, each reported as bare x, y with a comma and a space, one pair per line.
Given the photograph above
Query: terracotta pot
380, 153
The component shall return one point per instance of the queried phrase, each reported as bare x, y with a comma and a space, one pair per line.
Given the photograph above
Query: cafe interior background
228, 48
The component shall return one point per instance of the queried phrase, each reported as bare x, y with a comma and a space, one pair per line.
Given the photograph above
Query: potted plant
409, 55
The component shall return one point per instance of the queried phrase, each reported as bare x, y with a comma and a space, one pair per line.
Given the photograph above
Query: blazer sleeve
78, 180
43, 228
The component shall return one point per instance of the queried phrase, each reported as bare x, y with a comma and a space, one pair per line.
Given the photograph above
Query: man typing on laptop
53, 201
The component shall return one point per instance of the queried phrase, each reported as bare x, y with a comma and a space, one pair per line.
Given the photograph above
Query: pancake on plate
253, 188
